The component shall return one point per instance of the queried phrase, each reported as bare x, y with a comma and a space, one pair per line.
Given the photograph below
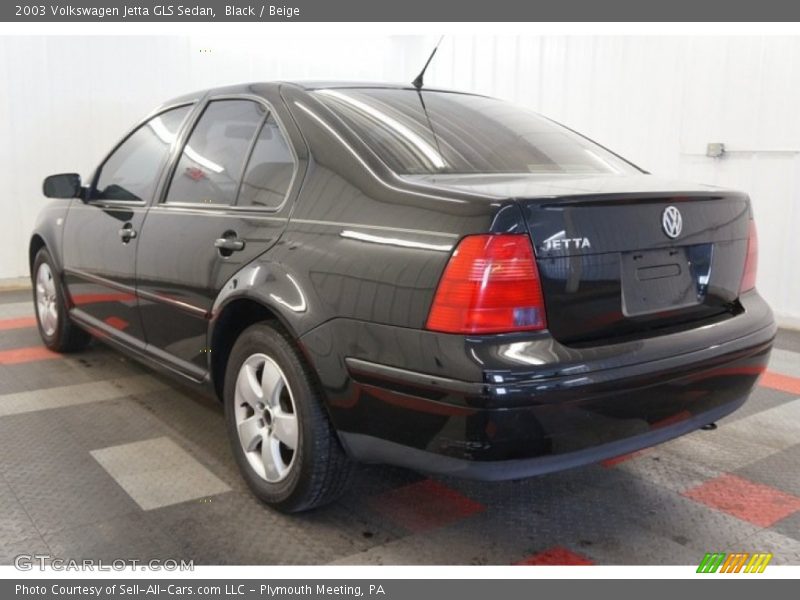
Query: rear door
101, 234
636, 265
226, 202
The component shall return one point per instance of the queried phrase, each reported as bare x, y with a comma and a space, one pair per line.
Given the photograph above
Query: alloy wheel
266, 418
46, 300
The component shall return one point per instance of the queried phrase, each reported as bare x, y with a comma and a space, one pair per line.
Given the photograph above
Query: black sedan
419, 277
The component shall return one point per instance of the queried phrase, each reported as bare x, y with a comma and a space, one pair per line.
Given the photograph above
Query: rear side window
211, 163
130, 173
270, 170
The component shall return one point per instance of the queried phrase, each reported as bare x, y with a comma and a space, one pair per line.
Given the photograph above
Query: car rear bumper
370, 449
537, 418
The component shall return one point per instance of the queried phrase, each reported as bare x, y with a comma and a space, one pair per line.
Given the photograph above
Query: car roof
309, 86
330, 85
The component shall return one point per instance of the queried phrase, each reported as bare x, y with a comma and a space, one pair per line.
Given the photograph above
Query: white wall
64, 101
655, 100
658, 101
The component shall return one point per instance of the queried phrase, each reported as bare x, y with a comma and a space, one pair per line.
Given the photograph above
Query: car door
224, 204
101, 233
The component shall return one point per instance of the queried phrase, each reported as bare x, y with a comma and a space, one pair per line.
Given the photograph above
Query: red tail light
490, 285
751, 262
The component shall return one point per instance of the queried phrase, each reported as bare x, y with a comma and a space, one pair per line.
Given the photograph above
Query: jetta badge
560, 241
672, 222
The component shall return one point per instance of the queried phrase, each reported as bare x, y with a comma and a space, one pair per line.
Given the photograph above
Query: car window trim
221, 210
185, 140
295, 166
200, 109
99, 170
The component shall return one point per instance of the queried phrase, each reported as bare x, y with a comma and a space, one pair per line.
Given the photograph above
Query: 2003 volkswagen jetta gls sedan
423, 278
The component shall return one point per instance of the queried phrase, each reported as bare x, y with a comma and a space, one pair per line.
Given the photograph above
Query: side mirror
65, 185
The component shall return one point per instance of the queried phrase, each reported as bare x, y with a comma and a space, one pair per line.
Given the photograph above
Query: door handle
127, 233
229, 244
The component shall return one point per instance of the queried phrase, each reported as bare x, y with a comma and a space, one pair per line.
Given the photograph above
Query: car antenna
417, 83
430, 123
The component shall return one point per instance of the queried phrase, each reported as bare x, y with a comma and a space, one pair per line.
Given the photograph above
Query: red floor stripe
82, 299
749, 501
117, 323
777, 381
679, 417
25, 355
557, 555
424, 506
17, 323
613, 462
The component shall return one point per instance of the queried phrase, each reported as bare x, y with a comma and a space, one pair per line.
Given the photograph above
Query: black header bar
400, 11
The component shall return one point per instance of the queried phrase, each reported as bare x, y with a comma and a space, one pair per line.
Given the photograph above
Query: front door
101, 235
224, 206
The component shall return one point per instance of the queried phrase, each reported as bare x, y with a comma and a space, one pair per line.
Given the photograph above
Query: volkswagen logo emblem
672, 222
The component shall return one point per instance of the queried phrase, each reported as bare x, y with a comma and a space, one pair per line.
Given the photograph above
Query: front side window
132, 171
212, 159
269, 171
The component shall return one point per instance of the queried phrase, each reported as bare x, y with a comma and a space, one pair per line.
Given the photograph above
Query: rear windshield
440, 132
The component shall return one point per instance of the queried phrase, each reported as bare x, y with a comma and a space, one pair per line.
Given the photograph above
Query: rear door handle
127, 233
229, 244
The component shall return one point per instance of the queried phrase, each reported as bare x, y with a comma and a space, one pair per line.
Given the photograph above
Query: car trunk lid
628, 257
622, 265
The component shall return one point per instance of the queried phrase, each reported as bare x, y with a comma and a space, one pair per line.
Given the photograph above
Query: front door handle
228, 243
127, 233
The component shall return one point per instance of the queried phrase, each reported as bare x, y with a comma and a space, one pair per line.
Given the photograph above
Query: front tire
281, 437
55, 328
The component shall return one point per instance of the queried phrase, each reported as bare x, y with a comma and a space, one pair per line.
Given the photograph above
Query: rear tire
281, 437
55, 328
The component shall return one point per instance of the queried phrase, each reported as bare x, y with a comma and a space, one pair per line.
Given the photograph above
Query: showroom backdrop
656, 100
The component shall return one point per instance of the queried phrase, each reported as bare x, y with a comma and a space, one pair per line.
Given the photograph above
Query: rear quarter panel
363, 243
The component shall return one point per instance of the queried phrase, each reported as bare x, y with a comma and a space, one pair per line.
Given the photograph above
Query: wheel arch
37, 243
263, 290
47, 232
231, 319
